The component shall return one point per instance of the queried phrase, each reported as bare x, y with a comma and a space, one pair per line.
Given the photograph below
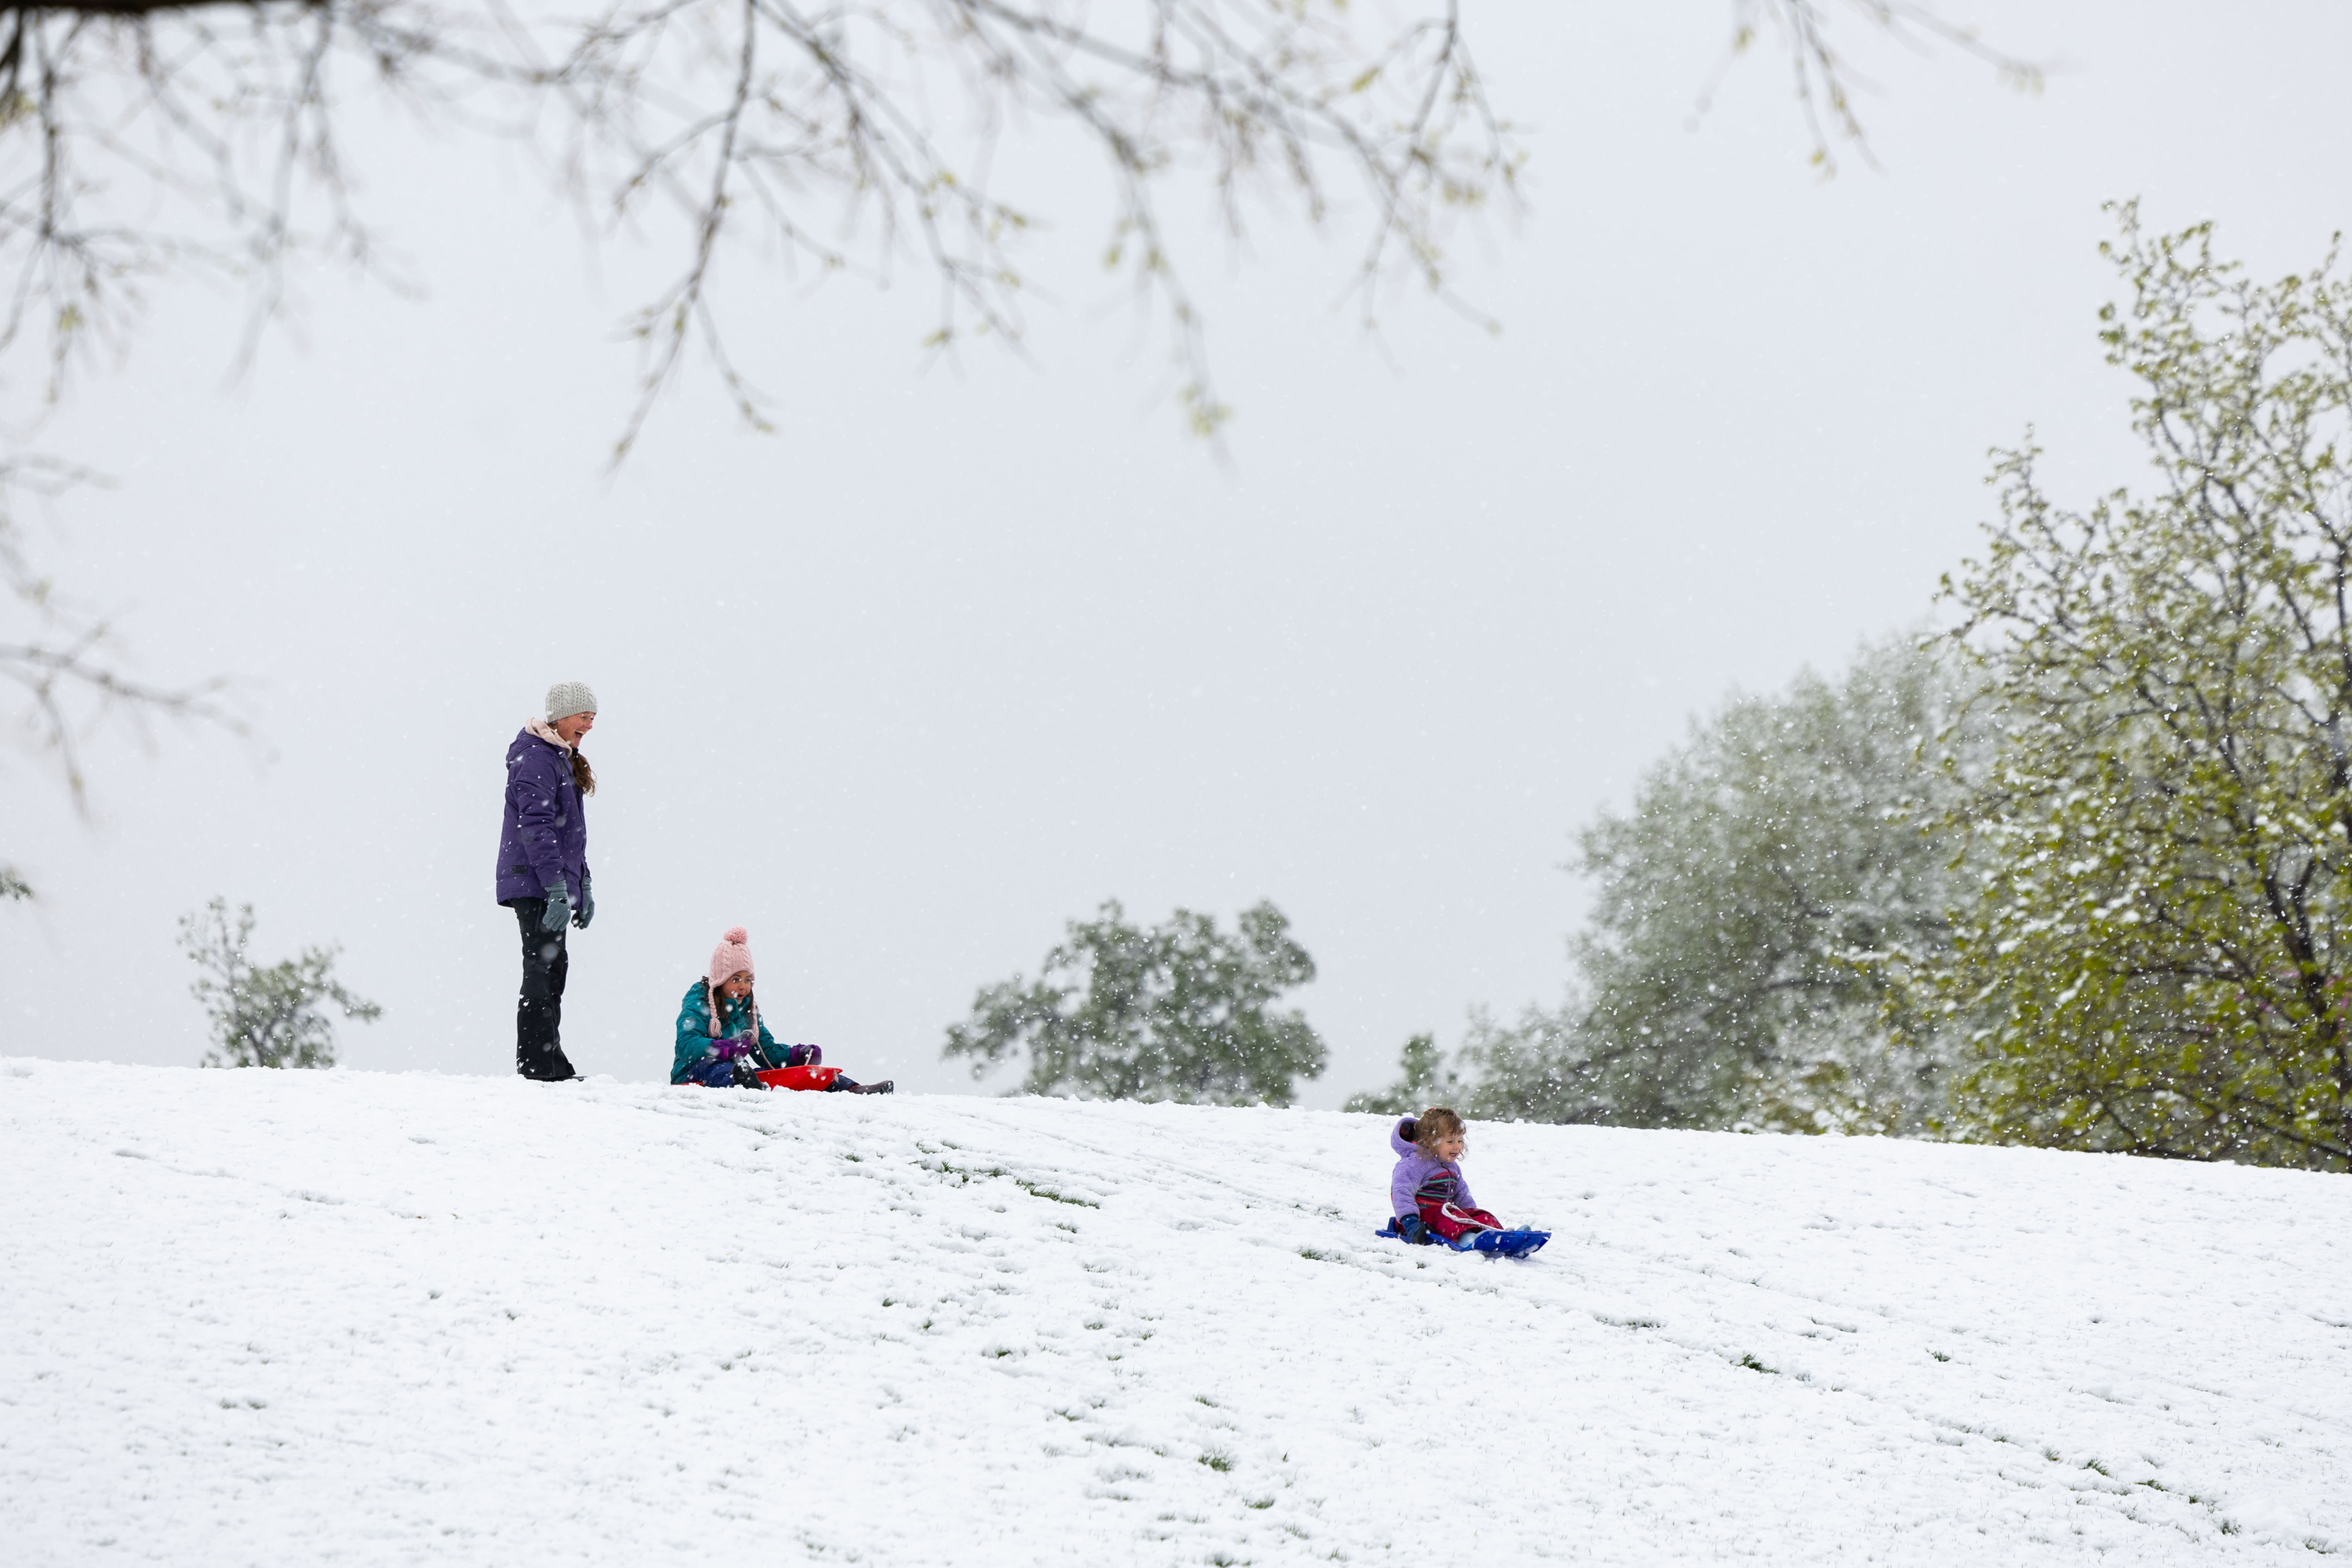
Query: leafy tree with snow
1735, 971
2163, 944
1181, 1011
264, 1016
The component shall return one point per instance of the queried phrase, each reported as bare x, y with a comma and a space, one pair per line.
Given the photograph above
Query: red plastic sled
798, 1078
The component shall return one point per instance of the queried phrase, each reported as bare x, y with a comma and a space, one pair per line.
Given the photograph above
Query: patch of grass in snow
2094, 1465
1217, 1459
1752, 1364
962, 1177
1261, 1502
1939, 1355
1309, 1253
1036, 1191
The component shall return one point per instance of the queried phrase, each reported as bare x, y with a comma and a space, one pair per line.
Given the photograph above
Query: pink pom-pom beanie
730, 956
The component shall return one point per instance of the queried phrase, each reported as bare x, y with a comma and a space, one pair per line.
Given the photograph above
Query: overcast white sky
960, 652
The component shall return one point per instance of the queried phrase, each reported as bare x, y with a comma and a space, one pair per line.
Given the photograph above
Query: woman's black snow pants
539, 1016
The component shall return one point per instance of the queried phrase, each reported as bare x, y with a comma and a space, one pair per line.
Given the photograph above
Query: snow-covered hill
282, 1318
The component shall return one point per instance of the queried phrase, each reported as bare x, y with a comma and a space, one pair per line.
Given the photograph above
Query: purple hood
544, 840
1412, 1168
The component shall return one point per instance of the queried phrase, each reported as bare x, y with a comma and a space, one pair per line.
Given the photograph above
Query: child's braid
711, 998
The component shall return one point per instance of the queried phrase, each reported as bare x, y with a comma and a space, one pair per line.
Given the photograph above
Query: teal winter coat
695, 1039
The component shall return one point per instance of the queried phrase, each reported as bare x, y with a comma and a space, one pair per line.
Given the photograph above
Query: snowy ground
278, 1317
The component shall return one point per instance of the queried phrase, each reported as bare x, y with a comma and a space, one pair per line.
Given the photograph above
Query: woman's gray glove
587, 910
559, 908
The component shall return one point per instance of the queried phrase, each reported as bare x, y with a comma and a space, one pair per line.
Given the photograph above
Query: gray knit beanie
566, 697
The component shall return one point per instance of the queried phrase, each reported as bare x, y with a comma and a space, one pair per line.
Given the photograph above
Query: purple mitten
727, 1050
803, 1057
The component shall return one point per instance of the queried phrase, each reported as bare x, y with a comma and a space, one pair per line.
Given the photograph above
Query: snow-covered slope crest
273, 1318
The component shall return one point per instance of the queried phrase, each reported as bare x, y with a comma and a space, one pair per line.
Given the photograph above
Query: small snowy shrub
264, 1017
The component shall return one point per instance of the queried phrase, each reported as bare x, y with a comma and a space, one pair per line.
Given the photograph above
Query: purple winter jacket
1412, 1168
544, 840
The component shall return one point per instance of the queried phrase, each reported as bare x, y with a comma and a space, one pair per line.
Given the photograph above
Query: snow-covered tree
1181, 1012
264, 1016
1735, 972
2162, 944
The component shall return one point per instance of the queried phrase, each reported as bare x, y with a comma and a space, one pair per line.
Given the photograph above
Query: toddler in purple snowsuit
1414, 1166
1429, 1200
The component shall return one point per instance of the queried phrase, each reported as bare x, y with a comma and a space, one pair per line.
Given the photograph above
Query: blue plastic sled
1500, 1243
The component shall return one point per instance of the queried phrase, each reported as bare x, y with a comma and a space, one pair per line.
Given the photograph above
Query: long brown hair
581, 774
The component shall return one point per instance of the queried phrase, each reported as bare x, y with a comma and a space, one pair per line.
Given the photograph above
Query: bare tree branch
141, 138
1827, 81
59, 659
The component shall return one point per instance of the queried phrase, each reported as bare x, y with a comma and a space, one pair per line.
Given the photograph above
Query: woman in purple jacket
543, 869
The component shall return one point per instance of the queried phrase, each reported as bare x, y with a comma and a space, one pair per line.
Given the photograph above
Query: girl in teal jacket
721, 1039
